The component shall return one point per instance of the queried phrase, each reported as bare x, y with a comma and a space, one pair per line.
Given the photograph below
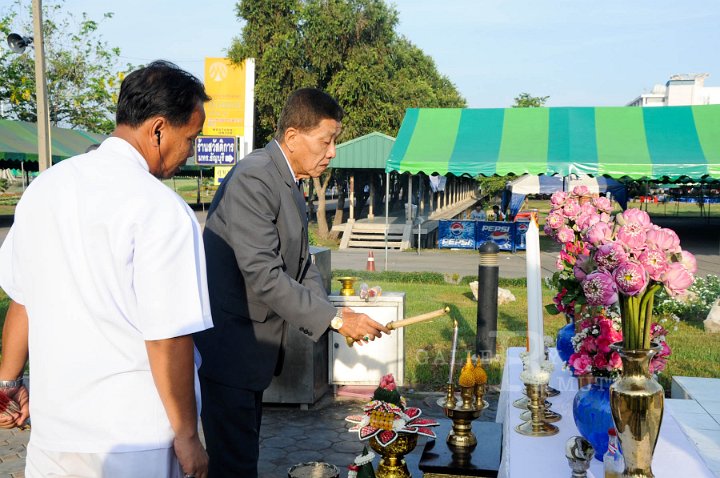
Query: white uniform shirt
104, 257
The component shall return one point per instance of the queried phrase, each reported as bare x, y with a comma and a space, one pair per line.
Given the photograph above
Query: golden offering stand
348, 285
462, 409
537, 426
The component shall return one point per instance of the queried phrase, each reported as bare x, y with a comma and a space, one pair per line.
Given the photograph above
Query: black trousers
231, 423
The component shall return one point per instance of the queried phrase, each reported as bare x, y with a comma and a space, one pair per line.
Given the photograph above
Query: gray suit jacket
260, 274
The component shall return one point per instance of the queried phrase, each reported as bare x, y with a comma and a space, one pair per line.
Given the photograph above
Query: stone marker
712, 323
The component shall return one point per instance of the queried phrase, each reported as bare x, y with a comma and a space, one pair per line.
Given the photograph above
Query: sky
577, 52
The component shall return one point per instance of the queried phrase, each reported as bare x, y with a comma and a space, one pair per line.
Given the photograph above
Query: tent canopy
366, 152
18, 141
669, 142
531, 184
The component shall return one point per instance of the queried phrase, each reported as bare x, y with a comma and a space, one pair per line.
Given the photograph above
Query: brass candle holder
462, 412
536, 426
348, 285
552, 392
548, 417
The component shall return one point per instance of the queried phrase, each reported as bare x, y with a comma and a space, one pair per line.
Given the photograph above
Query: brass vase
637, 401
392, 464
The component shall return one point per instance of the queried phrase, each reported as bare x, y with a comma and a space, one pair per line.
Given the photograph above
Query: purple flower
599, 288
677, 279
565, 234
655, 263
609, 255
664, 239
599, 233
582, 266
630, 278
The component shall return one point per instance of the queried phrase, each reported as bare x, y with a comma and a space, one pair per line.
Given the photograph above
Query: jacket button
309, 333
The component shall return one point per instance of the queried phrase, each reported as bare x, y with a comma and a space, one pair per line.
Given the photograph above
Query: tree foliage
348, 48
525, 100
83, 76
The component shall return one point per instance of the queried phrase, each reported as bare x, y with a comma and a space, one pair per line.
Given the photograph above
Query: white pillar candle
534, 294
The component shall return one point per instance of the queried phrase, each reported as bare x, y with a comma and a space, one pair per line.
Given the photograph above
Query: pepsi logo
456, 228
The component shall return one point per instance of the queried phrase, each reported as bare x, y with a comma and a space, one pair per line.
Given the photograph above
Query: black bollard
487, 310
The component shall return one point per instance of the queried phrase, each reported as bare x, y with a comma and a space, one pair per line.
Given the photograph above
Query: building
687, 89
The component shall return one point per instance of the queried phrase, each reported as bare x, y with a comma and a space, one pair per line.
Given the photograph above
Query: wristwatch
337, 322
8, 384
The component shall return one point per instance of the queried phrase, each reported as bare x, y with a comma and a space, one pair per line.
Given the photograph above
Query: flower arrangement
387, 415
629, 262
599, 328
571, 215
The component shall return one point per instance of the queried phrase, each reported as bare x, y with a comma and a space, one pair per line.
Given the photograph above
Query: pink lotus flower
631, 278
571, 208
599, 233
677, 279
558, 198
602, 204
635, 216
654, 262
554, 220
600, 289
688, 261
587, 220
664, 239
610, 255
581, 190
633, 235
565, 234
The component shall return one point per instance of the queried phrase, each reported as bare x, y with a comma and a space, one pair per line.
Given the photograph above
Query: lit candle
452, 353
534, 294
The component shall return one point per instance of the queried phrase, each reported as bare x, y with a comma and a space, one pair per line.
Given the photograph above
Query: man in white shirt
106, 272
478, 214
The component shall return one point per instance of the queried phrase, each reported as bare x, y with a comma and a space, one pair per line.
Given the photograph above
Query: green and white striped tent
18, 141
666, 143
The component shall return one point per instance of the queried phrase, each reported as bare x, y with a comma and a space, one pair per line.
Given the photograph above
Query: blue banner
456, 234
501, 233
215, 151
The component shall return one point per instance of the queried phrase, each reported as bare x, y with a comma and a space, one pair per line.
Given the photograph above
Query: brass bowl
348, 285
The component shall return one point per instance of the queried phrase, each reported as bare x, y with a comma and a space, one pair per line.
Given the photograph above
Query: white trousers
159, 463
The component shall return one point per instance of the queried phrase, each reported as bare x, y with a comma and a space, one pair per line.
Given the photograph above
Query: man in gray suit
261, 279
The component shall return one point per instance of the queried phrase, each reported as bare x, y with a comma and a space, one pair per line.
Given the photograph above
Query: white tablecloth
524, 456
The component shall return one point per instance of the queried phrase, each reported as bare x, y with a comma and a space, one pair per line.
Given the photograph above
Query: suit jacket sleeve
253, 200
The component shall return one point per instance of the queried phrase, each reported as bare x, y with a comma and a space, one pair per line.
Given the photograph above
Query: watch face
336, 323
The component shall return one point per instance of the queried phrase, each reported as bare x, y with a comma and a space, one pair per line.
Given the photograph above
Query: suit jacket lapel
281, 164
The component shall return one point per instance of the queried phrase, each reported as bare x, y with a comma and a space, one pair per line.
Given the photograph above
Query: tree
525, 100
83, 78
348, 48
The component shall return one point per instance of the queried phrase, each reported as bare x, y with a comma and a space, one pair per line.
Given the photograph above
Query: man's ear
156, 129
290, 138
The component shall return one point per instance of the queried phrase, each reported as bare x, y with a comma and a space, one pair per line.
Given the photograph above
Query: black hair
159, 89
305, 109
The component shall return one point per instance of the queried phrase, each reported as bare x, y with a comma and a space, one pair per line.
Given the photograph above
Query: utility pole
43, 120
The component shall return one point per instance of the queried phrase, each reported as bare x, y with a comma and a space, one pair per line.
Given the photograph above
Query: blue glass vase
593, 418
564, 342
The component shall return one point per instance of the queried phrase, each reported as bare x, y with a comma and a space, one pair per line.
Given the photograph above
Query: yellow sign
225, 83
220, 173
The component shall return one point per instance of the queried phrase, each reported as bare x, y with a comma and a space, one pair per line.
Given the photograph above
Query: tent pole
387, 211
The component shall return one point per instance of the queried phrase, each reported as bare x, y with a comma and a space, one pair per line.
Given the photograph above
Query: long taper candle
534, 294
452, 353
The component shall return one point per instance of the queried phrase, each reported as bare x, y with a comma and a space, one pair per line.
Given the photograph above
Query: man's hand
10, 419
360, 327
192, 456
